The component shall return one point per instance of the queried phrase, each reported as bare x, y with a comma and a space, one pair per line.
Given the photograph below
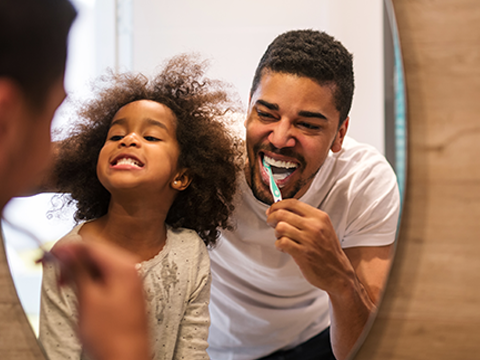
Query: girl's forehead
142, 110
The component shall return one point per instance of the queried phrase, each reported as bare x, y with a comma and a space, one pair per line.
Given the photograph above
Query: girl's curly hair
208, 149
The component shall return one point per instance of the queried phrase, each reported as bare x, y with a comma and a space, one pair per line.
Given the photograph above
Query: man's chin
261, 196
266, 197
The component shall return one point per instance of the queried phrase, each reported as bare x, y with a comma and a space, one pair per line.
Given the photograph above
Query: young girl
152, 169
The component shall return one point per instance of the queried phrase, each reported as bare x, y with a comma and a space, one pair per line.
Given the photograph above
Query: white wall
234, 35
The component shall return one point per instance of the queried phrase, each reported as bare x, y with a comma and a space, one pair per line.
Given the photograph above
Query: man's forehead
291, 88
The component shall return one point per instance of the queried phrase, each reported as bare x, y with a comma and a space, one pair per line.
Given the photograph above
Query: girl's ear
182, 180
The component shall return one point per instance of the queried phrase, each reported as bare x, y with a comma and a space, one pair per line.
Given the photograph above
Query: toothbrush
48, 257
277, 196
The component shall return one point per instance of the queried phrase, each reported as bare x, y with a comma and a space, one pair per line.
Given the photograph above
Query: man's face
30, 151
292, 122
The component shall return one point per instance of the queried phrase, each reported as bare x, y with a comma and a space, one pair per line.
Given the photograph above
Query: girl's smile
126, 162
141, 149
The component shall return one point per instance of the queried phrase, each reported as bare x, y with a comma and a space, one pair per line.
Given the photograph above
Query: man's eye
151, 138
263, 114
308, 126
116, 137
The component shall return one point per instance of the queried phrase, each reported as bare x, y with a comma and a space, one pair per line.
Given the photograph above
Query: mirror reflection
140, 37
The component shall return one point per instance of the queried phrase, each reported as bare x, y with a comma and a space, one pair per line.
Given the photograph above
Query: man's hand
112, 317
353, 278
306, 233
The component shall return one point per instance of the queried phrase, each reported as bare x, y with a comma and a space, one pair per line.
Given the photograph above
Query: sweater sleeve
193, 330
58, 318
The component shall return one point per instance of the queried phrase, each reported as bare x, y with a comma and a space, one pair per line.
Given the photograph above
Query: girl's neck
139, 228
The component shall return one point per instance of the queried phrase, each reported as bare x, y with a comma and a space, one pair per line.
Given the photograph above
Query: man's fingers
283, 215
80, 261
285, 229
75, 263
288, 246
292, 205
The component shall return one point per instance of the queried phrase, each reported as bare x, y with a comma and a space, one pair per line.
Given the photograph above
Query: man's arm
353, 278
372, 265
347, 312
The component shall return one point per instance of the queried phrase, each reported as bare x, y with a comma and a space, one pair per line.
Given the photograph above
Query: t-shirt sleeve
373, 212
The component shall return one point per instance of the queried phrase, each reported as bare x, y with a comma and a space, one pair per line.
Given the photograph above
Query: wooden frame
431, 308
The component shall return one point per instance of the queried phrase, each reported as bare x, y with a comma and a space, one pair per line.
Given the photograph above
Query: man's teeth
279, 176
280, 169
280, 163
128, 161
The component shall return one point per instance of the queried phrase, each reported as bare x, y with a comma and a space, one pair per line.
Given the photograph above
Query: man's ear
11, 103
248, 111
9, 98
12, 118
337, 143
182, 180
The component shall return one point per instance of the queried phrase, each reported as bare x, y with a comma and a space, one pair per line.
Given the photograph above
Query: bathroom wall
431, 308
234, 35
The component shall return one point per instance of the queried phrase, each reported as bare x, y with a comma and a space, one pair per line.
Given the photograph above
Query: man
33, 49
310, 267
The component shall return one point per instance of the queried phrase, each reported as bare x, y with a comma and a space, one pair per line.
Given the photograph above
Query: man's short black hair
315, 55
33, 44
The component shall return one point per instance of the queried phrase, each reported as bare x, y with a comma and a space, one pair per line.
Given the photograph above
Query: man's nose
281, 135
130, 140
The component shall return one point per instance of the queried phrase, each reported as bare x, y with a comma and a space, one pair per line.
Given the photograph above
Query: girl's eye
116, 137
151, 138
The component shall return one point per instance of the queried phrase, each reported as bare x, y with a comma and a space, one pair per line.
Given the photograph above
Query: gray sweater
177, 289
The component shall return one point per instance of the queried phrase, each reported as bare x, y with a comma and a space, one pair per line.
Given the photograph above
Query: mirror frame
430, 308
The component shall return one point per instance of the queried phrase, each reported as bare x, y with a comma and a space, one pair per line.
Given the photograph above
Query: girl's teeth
127, 161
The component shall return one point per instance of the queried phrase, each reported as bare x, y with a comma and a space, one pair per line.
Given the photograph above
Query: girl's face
141, 151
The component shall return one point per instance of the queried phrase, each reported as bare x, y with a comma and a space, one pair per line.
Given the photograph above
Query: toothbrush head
277, 195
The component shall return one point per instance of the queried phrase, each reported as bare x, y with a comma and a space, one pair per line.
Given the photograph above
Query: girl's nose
130, 140
281, 135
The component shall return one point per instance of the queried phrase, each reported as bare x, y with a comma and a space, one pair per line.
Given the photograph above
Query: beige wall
431, 308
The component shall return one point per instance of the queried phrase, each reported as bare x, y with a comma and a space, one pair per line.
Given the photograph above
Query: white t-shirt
260, 301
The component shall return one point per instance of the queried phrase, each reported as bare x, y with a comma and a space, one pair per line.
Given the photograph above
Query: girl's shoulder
71, 236
186, 241
184, 248
184, 236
